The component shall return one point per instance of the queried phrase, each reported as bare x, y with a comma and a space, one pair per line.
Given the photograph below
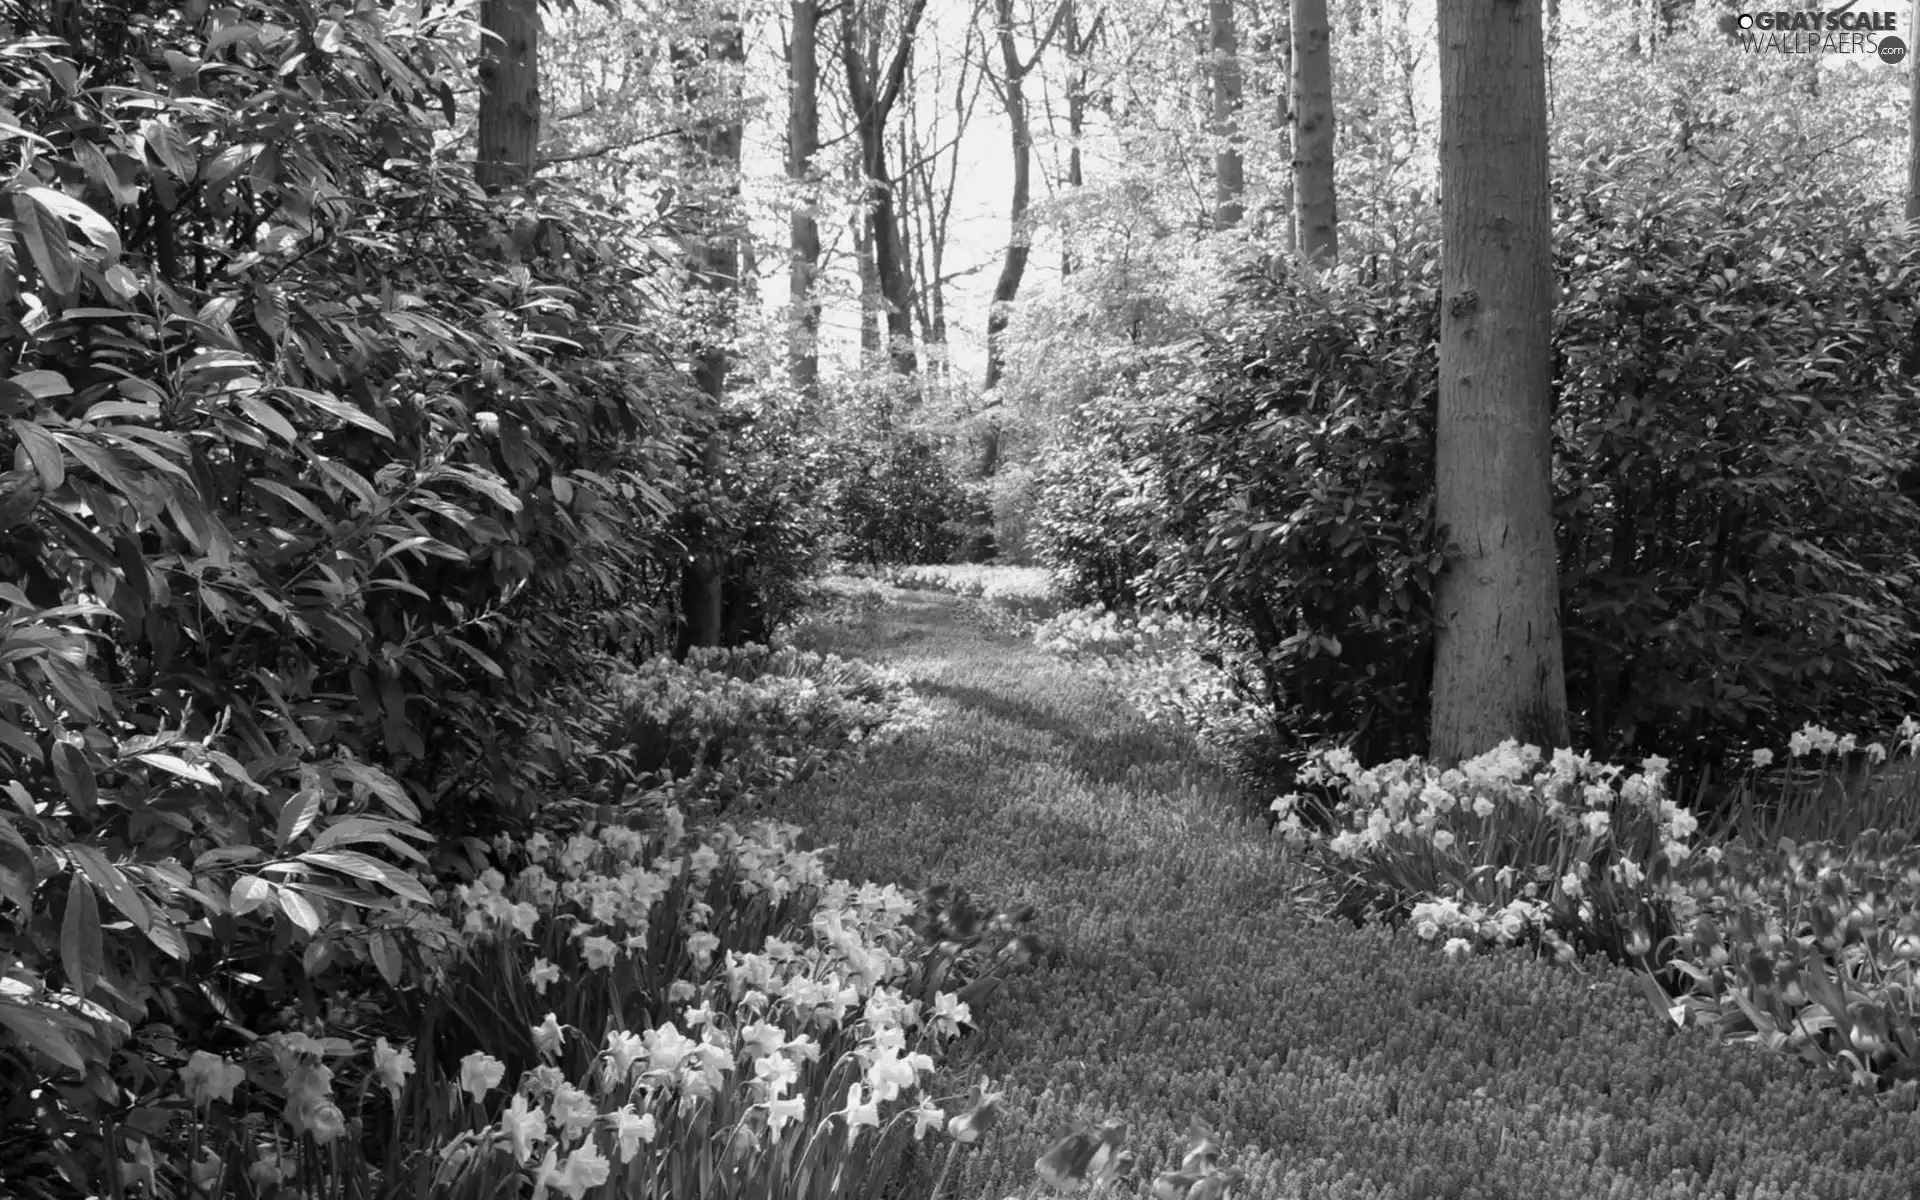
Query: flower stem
940, 1183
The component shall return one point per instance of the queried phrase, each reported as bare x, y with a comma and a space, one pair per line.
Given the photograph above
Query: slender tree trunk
1229, 178
1497, 651
509, 132
1077, 47
803, 142
872, 303
1315, 220
1013, 266
714, 145
1273, 84
873, 100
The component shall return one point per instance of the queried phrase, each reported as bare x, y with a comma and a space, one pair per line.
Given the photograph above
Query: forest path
1185, 978
1149, 869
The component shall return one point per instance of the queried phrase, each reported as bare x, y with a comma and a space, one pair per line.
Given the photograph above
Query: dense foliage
332, 478
1731, 414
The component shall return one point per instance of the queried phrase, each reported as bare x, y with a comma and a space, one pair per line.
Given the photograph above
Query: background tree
1497, 657
873, 90
1229, 179
708, 65
1316, 224
1913, 117
1011, 83
803, 142
509, 123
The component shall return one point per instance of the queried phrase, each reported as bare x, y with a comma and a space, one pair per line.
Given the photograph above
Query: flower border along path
1182, 983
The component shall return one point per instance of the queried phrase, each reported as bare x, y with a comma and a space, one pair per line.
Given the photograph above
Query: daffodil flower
480, 1073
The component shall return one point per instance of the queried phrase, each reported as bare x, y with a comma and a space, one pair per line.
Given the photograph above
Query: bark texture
1497, 652
509, 133
1315, 221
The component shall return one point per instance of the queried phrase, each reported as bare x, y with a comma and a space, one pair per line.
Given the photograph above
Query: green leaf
485, 482
380, 784
269, 418
300, 503
46, 1032
114, 882
77, 689
46, 237
48, 461
298, 908
486, 664
365, 866
386, 957
226, 856
171, 148
249, 893
97, 228
340, 408
76, 778
17, 875
297, 814
168, 939
80, 950
174, 764
43, 385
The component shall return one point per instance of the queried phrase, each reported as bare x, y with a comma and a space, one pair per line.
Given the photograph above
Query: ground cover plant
1199, 993
601, 995
1775, 935
1013, 599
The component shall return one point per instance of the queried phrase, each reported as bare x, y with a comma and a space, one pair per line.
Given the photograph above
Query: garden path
1186, 976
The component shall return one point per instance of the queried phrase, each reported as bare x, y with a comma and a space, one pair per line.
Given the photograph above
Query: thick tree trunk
1913, 117
1315, 219
1497, 653
1229, 178
873, 99
714, 145
803, 141
509, 94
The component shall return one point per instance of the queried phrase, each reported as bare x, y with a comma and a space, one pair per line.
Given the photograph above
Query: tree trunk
871, 301
1078, 45
1315, 221
509, 94
873, 96
1913, 118
1273, 84
1013, 267
1497, 654
1229, 178
803, 141
713, 144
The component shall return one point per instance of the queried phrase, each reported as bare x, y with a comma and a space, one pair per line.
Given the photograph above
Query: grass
1190, 977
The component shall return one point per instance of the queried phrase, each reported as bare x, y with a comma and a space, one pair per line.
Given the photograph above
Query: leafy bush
897, 502
770, 510
326, 470
1734, 544
1734, 411
729, 725
1093, 517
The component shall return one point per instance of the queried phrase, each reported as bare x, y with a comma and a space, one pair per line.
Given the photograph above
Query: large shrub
898, 502
1732, 418
1734, 407
325, 468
